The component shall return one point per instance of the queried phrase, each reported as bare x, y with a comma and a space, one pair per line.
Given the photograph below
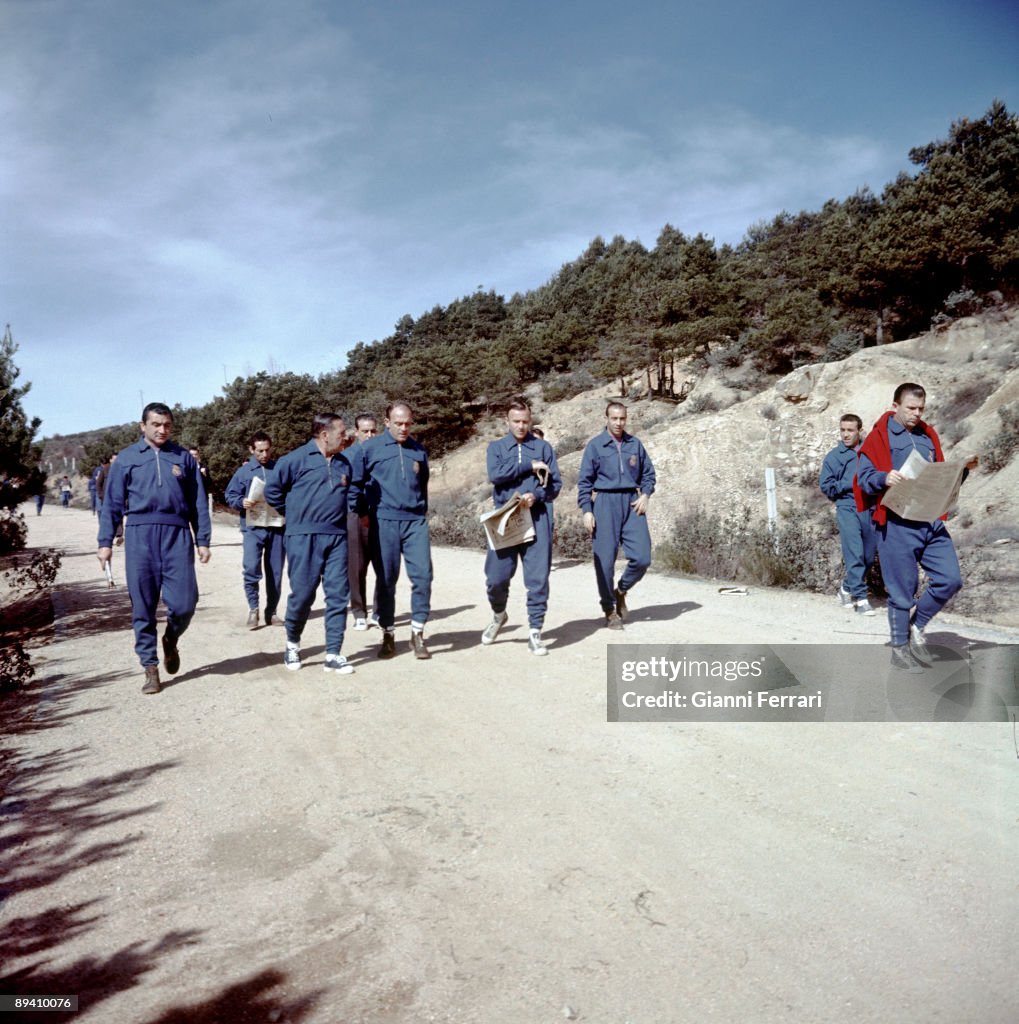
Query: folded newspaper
261, 513
511, 524
929, 490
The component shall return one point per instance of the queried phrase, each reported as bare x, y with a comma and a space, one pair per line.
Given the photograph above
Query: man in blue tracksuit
616, 480
523, 464
903, 544
263, 545
393, 470
856, 529
156, 484
313, 487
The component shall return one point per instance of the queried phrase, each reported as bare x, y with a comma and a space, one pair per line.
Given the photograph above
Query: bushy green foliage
733, 545
1005, 443
20, 475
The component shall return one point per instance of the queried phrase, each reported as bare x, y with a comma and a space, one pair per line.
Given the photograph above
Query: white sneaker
535, 644
360, 624
338, 663
864, 607
492, 629
292, 657
373, 621
845, 598
917, 640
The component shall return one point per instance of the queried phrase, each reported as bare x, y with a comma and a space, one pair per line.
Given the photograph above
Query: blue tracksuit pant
159, 560
859, 545
536, 557
315, 558
902, 544
390, 539
616, 524
263, 546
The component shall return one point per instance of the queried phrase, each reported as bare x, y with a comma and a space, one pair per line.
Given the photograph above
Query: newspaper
261, 513
930, 490
509, 525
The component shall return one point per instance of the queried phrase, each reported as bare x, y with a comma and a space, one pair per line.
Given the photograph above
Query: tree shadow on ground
245, 1002
50, 831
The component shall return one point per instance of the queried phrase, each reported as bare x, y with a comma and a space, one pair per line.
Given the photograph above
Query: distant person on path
313, 487
263, 545
359, 554
617, 479
40, 499
856, 529
521, 463
903, 544
156, 484
393, 470
65, 492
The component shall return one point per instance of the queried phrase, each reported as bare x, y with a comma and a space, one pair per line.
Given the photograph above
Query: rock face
717, 459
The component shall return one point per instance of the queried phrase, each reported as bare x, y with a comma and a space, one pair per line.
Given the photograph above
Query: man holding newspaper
525, 482
261, 529
903, 476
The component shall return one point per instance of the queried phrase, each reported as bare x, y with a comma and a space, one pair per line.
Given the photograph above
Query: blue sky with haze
193, 191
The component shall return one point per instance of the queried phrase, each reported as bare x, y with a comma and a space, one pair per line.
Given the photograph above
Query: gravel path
468, 840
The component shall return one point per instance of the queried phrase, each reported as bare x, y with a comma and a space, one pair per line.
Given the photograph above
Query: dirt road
468, 840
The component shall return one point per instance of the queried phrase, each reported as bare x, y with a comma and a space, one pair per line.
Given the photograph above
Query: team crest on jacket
177, 471
633, 460
343, 479
417, 468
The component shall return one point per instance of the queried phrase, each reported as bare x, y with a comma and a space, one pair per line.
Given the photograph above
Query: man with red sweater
903, 544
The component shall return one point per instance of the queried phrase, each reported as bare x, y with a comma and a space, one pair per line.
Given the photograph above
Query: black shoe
417, 645
904, 660
621, 603
152, 683
388, 648
171, 657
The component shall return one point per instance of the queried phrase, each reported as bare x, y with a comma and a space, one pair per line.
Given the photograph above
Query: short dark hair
614, 405
851, 417
519, 404
364, 416
158, 408
323, 421
909, 389
258, 435
398, 405
538, 432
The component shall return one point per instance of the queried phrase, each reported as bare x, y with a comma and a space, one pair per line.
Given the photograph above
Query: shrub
557, 387
13, 531
1005, 443
842, 346
804, 555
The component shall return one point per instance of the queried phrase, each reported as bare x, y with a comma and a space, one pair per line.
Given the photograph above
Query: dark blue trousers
617, 525
358, 560
859, 545
392, 538
902, 546
263, 547
536, 557
159, 561
314, 558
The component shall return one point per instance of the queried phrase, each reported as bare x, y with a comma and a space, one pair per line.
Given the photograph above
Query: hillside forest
938, 243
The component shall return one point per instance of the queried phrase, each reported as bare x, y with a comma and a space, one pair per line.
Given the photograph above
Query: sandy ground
468, 839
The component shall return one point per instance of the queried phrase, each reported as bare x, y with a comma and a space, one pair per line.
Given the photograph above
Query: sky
199, 190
